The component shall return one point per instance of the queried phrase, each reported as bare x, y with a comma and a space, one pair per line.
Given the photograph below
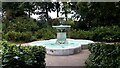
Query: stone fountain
61, 32
62, 45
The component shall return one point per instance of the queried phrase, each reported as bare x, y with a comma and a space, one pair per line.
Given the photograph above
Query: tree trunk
66, 15
29, 13
29, 10
57, 13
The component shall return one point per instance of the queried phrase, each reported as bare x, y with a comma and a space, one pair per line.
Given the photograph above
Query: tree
10, 10
44, 8
29, 7
65, 9
98, 14
57, 7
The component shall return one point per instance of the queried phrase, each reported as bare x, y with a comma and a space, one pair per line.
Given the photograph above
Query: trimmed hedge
19, 36
107, 34
14, 56
45, 33
103, 56
103, 34
23, 29
80, 34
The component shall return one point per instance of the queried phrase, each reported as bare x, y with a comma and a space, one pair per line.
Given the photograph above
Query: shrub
14, 56
20, 29
103, 56
74, 34
17, 36
80, 34
27, 37
107, 34
45, 33
22, 24
11, 35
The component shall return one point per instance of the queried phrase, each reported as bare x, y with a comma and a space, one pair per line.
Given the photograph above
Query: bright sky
52, 15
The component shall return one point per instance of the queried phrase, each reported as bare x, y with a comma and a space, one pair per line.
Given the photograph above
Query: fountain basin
73, 46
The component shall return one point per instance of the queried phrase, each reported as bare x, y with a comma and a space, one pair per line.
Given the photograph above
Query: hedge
80, 34
14, 56
107, 34
103, 56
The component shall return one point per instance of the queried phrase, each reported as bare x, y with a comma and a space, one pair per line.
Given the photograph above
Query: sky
52, 15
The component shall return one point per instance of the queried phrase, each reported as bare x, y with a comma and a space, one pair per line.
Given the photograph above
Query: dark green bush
46, 33
104, 34
14, 56
103, 56
17, 36
27, 37
21, 24
20, 29
12, 35
107, 34
24, 29
80, 34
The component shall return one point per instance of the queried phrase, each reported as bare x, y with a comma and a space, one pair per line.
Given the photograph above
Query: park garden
96, 21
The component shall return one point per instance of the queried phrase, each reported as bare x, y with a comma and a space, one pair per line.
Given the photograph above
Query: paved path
71, 60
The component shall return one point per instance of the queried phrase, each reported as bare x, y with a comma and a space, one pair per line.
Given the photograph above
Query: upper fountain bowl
61, 26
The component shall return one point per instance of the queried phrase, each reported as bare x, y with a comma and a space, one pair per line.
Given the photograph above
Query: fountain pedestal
61, 38
61, 34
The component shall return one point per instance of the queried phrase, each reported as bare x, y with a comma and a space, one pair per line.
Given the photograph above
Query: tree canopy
88, 14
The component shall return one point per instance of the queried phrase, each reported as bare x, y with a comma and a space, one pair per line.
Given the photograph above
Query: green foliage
17, 36
103, 34
0, 27
45, 33
14, 56
97, 14
104, 56
42, 24
11, 35
80, 34
70, 22
27, 37
45, 7
21, 24
108, 34
57, 7
65, 9
11, 10
20, 29
24, 29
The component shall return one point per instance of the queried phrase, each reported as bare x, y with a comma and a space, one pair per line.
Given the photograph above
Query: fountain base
72, 47
63, 52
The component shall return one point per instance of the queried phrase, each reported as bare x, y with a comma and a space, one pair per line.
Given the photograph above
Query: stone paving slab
71, 60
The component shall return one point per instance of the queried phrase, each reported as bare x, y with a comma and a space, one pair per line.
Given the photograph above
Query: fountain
62, 45
61, 33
